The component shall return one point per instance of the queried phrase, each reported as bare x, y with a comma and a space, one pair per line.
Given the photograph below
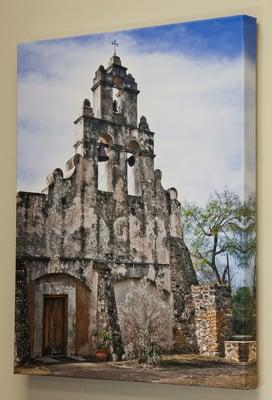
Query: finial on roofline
115, 45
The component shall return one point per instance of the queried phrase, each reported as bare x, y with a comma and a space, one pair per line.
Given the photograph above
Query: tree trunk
213, 264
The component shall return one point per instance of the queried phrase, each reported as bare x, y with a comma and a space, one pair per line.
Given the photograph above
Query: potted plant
102, 345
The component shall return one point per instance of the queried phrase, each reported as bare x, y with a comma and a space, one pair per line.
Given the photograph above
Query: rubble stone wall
240, 351
213, 318
22, 337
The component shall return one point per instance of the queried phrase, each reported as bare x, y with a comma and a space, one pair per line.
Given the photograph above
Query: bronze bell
102, 156
131, 161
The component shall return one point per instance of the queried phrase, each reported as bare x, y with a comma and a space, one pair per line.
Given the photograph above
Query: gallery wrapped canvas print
136, 205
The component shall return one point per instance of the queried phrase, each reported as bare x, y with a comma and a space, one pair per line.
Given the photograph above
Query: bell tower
120, 149
115, 93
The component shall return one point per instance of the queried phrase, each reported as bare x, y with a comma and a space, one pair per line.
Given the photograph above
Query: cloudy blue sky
192, 79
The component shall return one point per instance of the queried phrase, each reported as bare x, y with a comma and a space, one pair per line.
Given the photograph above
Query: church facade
99, 227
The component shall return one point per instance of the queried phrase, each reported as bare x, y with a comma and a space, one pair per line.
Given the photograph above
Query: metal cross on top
115, 44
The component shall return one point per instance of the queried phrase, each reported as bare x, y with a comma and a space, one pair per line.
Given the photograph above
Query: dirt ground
173, 369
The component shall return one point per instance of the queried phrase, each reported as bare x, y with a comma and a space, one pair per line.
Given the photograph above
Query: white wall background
37, 19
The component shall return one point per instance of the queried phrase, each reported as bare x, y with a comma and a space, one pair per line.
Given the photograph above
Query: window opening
104, 178
115, 100
133, 172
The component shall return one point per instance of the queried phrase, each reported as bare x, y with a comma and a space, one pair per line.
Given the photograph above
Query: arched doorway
60, 316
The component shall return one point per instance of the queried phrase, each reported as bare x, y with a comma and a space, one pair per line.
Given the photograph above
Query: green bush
242, 303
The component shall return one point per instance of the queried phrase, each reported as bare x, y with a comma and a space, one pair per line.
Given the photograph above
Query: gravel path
185, 372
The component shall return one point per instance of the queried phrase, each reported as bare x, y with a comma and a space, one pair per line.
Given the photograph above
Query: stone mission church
98, 227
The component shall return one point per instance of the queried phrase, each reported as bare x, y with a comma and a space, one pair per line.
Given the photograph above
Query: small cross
115, 44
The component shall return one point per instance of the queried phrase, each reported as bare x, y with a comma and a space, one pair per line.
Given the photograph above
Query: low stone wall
213, 318
240, 351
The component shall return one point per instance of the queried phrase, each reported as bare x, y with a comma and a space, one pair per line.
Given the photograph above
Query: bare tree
145, 319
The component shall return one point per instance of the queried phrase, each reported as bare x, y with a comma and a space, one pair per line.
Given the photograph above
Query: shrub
145, 318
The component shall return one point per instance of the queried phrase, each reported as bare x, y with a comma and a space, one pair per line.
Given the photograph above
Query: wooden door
54, 325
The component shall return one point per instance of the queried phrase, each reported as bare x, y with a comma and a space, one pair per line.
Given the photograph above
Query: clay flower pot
102, 355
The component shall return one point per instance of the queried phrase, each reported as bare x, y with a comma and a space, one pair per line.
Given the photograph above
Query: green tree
243, 303
243, 244
210, 233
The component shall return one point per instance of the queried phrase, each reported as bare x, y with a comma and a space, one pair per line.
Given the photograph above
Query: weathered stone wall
213, 318
32, 212
252, 353
240, 351
77, 225
107, 317
182, 277
22, 338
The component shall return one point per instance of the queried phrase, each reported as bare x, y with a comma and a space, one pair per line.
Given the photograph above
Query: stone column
213, 318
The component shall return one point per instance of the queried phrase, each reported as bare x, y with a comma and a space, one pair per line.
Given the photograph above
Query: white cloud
195, 107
